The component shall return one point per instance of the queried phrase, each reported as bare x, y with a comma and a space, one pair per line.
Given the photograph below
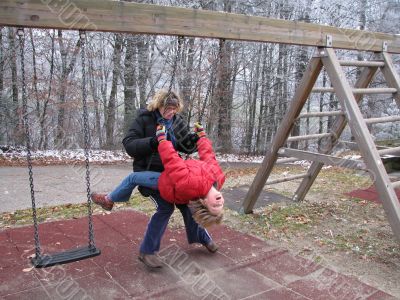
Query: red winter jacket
185, 180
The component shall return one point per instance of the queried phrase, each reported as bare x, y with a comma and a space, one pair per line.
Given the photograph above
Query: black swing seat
48, 260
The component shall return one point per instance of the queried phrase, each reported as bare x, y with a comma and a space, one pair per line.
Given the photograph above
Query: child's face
214, 201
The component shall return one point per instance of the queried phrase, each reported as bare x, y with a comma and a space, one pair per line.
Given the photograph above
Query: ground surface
245, 267
345, 234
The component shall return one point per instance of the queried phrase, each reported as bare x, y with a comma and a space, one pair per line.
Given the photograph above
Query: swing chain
82, 36
21, 38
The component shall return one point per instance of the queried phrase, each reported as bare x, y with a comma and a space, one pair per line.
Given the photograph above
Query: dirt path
55, 185
62, 184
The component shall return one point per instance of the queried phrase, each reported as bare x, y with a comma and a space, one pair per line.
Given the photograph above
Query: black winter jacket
140, 142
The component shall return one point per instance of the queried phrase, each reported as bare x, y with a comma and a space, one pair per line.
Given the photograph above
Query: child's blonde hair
162, 98
202, 215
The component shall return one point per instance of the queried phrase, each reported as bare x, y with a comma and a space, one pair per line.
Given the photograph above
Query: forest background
239, 90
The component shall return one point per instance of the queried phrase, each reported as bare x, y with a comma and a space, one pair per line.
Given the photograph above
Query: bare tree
67, 66
253, 95
14, 116
111, 107
3, 105
186, 78
43, 142
130, 80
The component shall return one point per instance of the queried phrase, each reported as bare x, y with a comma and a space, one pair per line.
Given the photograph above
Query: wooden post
300, 97
364, 140
367, 74
391, 76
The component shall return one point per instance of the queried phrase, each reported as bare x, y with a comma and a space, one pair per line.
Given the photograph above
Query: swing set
136, 18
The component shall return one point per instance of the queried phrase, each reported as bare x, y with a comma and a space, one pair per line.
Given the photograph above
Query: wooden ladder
350, 114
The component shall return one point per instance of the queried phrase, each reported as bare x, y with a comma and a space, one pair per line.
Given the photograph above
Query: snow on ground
9, 154
18, 154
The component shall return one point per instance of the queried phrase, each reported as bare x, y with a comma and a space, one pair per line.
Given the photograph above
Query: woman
193, 182
141, 144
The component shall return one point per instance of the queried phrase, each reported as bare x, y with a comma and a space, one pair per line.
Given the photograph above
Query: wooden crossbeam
138, 18
382, 120
363, 91
361, 63
392, 151
323, 158
288, 178
319, 114
309, 137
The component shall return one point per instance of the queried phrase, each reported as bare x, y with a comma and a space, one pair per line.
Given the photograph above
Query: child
196, 182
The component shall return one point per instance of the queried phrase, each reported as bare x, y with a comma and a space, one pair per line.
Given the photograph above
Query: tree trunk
268, 119
321, 108
43, 142
35, 77
130, 81
224, 98
14, 116
253, 103
301, 64
96, 92
1, 67
3, 105
142, 62
187, 80
66, 69
262, 110
111, 108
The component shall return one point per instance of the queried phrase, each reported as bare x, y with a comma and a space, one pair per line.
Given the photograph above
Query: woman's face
168, 112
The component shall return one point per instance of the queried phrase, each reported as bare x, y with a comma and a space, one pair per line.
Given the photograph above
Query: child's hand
199, 130
160, 133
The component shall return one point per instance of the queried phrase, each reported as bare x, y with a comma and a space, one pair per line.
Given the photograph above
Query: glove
160, 134
199, 130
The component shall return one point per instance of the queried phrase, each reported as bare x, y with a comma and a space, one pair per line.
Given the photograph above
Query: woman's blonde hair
202, 215
163, 98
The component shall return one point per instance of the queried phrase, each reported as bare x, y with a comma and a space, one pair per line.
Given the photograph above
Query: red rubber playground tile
244, 266
14, 280
284, 267
328, 284
278, 294
369, 194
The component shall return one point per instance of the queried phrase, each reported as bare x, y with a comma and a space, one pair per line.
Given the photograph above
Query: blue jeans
159, 221
123, 192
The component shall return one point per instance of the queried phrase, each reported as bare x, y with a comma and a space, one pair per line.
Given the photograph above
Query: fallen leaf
27, 270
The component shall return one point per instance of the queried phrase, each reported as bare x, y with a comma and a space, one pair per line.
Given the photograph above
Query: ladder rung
396, 184
321, 114
357, 91
286, 160
323, 158
323, 90
394, 150
309, 137
375, 91
289, 178
361, 63
382, 120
